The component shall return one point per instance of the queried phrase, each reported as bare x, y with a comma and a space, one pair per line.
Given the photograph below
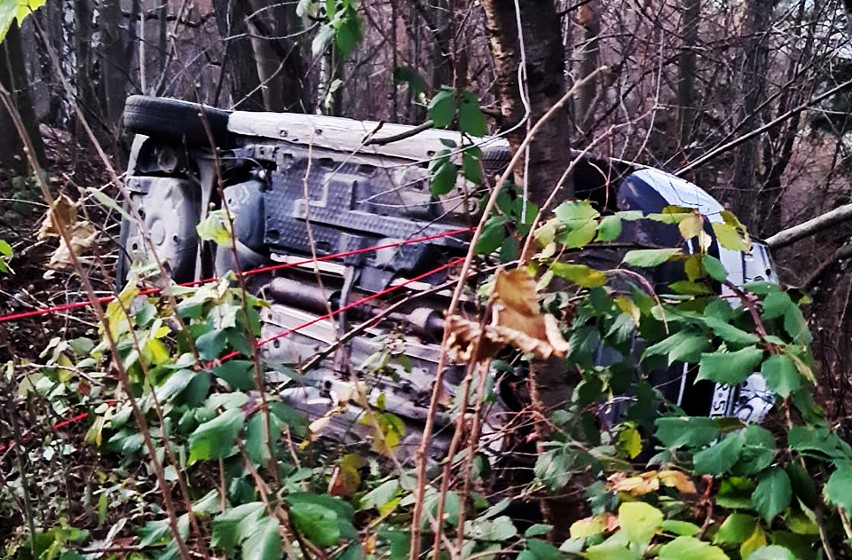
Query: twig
712, 154
401, 136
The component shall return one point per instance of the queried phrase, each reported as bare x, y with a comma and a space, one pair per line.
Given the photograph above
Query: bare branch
811, 227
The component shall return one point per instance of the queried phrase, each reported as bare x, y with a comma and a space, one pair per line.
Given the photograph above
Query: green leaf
821, 441
154, 533
471, 167
690, 548
231, 527
714, 268
579, 274
542, 550
215, 439
772, 552
442, 108
409, 75
444, 174
239, 374
682, 346
690, 288
381, 495
729, 333
796, 326
640, 521
758, 451
316, 523
537, 529
575, 214
343, 511
609, 228
776, 305
781, 375
257, 439
609, 551
498, 530
16, 9
720, 457
736, 528
5, 248
680, 528
215, 227
471, 118
839, 487
348, 33
802, 484
510, 249
264, 542
772, 494
211, 344
647, 258
735, 493
579, 237
493, 234
689, 431
730, 368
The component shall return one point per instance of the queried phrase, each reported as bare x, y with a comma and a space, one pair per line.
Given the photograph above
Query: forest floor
32, 284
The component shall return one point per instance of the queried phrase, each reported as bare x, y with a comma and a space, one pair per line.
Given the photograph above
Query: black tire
177, 120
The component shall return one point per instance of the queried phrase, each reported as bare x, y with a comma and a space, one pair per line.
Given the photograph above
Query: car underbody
306, 186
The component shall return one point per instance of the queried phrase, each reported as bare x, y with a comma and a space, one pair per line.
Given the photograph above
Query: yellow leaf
159, 352
588, 527
628, 306
755, 541
630, 442
691, 226
732, 237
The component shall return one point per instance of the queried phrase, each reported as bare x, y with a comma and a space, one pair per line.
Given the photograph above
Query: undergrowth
194, 453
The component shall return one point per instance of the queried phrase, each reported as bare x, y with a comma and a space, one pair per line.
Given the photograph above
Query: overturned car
335, 211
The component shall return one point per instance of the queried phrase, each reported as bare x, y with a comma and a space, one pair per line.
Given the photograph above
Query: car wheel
177, 120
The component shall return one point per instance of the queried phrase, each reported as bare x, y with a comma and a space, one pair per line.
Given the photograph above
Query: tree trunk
238, 66
548, 157
13, 77
112, 62
755, 45
589, 20
280, 65
687, 69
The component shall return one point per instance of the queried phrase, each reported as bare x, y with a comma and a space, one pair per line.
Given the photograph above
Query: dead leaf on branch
647, 482
517, 321
63, 213
637, 485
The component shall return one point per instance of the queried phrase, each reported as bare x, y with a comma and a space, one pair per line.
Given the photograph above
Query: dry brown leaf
82, 234
517, 322
643, 483
515, 289
463, 338
464, 335
63, 211
681, 481
554, 335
